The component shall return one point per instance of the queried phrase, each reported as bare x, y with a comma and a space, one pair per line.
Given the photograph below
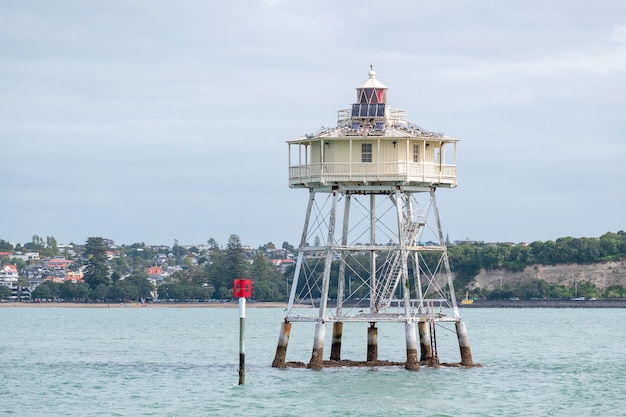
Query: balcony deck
422, 175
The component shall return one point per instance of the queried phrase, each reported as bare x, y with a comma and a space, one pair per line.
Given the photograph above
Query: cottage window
366, 152
416, 152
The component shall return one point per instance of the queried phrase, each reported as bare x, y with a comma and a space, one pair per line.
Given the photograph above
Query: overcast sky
150, 121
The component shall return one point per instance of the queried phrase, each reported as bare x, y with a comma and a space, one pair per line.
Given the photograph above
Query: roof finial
372, 73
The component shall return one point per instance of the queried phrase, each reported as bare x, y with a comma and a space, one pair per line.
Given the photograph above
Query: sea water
184, 362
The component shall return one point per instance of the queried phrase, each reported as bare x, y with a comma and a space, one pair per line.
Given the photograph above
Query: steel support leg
372, 343
412, 363
335, 349
424, 332
281, 348
316, 361
466, 353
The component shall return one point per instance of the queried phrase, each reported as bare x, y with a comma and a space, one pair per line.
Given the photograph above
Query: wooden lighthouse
372, 248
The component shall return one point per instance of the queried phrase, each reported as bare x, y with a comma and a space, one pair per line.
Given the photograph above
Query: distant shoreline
139, 305
249, 304
545, 304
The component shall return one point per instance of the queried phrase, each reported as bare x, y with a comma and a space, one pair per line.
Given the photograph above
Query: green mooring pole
242, 340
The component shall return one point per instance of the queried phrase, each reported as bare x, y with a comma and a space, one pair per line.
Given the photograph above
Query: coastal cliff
602, 275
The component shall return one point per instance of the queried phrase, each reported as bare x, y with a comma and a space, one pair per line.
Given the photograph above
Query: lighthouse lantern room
372, 249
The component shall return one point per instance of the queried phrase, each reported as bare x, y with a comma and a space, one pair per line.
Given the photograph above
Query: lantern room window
372, 95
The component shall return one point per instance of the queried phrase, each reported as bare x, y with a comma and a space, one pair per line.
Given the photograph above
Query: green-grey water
184, 362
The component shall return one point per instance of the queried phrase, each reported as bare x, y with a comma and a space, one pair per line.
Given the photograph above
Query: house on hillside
170, 270
160, 258
54, 275
32, 271
155, 274
67, 250
57, 263
282, 264
26, 257
74, 276
8, 275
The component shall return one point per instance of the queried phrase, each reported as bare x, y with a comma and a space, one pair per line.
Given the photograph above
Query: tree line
469, 258
211, 277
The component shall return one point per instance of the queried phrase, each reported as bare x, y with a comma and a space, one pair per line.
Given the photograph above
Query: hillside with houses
102, 271
59, 268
